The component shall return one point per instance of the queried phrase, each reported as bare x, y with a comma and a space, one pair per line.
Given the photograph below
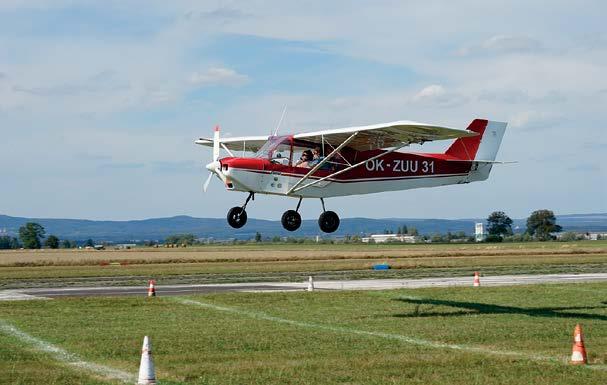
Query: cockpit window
277, 149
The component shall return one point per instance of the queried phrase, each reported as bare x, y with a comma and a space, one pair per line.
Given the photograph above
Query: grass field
265, 252
285, 262
501, 335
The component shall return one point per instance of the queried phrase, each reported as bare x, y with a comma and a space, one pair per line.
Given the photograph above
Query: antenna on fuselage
280, 121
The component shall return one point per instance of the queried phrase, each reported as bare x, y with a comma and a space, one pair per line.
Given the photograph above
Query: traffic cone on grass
477, 279
310, 284
146, 367
152, 289
578, 354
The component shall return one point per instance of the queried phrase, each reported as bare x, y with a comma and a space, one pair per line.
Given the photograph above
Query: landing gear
291, 220
328, 220
237, 216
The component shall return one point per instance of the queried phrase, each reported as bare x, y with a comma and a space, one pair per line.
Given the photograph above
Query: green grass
322, 337
240, 263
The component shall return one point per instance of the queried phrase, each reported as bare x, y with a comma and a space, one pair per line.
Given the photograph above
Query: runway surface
367, 284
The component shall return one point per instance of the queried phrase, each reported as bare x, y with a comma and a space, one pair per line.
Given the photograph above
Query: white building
383, 238
479, 232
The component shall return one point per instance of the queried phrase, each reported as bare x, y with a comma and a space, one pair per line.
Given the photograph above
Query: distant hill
159, 228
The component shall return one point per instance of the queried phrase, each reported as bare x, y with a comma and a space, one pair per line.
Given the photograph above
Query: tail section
482, 149
466, 148
484, 146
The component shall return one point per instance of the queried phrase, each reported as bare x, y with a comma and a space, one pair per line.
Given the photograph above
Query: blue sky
100, 101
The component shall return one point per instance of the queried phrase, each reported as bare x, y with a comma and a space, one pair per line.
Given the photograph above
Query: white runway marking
319, 284
397, 337
14, 295
66, 357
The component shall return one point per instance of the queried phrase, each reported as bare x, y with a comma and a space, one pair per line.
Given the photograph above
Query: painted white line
361, 284
390, 336
14, 295
66, 357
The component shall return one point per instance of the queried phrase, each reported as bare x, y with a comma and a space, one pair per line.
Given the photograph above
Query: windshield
277, 147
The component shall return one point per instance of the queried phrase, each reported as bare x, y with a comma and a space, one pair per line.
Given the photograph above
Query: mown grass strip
66, 357
390, 336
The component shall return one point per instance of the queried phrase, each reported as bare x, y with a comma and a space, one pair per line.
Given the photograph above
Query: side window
282, 154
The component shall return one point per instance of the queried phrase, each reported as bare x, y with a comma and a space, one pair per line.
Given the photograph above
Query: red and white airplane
350, 161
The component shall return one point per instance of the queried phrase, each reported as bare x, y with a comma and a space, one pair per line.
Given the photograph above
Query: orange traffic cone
152, 289
578, 355
477, 279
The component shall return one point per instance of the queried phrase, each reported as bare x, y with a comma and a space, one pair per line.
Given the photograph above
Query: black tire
237, 217
328, 221
291, 220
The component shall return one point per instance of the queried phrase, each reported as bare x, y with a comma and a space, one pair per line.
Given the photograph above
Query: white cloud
218, 76
431, 92
502, 44
437, 95
533, 120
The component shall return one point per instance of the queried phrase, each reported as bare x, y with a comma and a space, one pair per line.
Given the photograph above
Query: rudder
481, 147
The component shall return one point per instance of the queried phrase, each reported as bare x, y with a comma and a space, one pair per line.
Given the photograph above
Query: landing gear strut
291, 220
328, 220
237, 216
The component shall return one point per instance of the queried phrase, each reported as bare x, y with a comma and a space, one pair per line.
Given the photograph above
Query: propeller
215, 166
206, 183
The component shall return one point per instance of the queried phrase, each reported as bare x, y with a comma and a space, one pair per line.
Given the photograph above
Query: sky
100, 101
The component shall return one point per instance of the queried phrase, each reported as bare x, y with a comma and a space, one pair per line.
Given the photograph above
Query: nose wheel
237, 216
291, 220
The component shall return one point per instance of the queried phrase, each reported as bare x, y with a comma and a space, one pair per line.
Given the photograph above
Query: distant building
479, 232
582, 235
125, 246
383, 238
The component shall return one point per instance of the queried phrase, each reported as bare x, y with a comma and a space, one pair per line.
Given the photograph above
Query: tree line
541, 226
32, 236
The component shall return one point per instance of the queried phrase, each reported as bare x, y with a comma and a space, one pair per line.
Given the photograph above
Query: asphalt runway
367, 284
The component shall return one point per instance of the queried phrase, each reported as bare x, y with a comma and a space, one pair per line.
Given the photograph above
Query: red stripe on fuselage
391, 166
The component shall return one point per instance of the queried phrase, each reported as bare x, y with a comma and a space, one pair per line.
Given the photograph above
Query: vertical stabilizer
484, 146
482, 149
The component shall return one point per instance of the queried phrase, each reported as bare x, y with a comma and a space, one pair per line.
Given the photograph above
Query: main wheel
291, 220
328, 221
237, 217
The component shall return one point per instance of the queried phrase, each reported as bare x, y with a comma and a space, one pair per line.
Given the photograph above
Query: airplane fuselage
391, 172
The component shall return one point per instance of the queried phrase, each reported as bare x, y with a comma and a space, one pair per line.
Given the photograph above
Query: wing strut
226, 148
321, 163
293, 189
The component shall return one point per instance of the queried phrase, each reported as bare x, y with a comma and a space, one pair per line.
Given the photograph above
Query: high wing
385, 135
376, 136
242, 143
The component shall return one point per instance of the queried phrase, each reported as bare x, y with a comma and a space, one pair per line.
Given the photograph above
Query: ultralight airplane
350, 161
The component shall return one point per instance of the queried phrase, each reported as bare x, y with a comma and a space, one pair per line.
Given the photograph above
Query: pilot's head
306, 155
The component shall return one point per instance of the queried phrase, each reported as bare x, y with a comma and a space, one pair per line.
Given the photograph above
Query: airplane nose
213, 166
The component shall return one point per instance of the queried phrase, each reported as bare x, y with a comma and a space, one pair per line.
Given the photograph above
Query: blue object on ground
381, 266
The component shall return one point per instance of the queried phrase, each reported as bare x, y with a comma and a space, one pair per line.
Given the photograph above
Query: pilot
316, 157
306, 158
